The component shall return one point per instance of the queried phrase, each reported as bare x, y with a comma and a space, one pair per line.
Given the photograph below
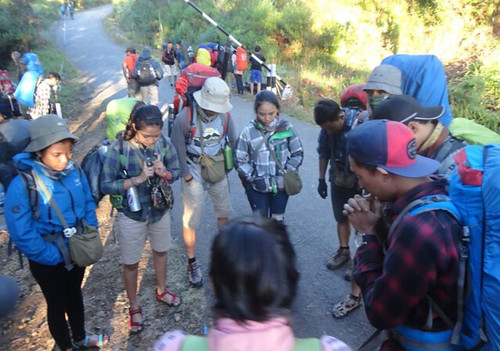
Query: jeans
268, 204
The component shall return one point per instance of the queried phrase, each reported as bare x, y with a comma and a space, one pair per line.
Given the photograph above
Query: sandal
173, 298
343, 308
132, 324
91, 343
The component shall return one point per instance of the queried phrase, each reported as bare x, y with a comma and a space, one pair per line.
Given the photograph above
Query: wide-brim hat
214, 96
47, 130
387, 78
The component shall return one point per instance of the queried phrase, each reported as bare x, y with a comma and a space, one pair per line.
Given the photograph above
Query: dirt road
309, 218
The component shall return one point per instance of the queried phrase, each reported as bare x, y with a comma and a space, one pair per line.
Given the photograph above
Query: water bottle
103, 150
228, 157
134, 204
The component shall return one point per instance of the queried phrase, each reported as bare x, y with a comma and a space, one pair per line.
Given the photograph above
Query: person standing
240, 63
43, 94
142, 159
148, 73
262, 138
256, 69
38, 232
203, 129
128, 66
404, 260
169, 59
254, 277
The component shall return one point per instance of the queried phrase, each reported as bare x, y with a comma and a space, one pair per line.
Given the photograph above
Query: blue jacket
71, 194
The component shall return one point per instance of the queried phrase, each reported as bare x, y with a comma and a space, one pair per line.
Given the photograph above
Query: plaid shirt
420, 259
42, 100
258, 165
113, 178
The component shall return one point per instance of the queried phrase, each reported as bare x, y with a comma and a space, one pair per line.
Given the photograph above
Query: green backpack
199, 343
472, 132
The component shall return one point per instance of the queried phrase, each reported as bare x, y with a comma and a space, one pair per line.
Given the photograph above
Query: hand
147, 172
322, 188
363, 213
188, 178
160, 170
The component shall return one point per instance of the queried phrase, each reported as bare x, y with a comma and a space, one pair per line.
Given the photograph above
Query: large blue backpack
474, 199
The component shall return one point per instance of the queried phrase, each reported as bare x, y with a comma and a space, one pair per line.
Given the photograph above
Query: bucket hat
214, 96
389, 145
387, 78
47, 130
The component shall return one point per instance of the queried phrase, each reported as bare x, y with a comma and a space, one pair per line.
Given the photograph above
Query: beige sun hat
47, 130
214, 96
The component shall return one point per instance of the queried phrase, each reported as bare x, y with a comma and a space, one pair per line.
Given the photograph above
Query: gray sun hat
387, 78
47, 130
214, 96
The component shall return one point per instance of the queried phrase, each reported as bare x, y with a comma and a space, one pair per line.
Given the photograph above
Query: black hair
265, 96
257, 48
142, 116
54, 75
253, 270
326, 110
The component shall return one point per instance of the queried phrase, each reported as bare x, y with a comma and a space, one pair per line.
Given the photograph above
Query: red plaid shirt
421, 258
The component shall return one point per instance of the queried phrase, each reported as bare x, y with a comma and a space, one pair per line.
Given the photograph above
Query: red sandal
173, 298
131, 323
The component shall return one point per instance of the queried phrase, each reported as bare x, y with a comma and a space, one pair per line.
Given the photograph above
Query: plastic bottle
103, 150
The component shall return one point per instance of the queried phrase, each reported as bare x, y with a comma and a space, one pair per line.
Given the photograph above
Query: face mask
375, 101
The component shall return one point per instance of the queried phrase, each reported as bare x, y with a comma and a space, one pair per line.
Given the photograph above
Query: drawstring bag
292, 182
213, 168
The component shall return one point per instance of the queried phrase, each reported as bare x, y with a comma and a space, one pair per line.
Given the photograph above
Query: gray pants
150, 94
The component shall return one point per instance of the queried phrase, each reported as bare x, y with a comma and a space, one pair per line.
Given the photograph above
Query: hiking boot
343, 308
348, 272
338, 259
195, 276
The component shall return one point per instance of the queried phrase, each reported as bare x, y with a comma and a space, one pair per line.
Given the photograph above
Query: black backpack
146, 74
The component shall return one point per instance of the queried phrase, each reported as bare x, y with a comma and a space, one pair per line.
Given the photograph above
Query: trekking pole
233, 39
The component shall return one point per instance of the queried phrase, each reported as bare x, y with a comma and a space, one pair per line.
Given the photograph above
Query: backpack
168, 57
187, 52
200, 343
25, 90
14, 137
191, 80
117, 115
241, 59
146, 74
474, 200
6, 85
472, 132
8, 104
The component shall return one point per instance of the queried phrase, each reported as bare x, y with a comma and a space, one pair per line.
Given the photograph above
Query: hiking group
400, 173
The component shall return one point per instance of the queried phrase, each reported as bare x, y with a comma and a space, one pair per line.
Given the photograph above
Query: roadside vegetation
320, 46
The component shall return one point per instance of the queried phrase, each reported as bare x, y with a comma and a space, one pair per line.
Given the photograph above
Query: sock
191, 260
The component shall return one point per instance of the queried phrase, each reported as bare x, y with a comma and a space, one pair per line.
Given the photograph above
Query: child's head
253, 270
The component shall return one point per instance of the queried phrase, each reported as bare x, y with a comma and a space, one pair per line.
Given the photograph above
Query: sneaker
348, 272
343, 308
339, 258
194, 274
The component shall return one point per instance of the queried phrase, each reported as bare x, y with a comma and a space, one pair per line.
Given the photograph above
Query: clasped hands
363, 213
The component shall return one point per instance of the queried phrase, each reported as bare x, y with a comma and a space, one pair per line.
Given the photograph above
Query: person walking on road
148, 73
128, 66
203, 129
169, 59
262, 138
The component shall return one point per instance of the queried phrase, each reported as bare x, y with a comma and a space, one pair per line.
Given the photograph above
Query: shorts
170, 70
132, 237
339, 197
255, 76
193, 198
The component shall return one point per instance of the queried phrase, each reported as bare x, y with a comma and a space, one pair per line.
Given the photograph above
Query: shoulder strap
272, 152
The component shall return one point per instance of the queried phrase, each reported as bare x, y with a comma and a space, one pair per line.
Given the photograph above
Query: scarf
434, 141
52, 173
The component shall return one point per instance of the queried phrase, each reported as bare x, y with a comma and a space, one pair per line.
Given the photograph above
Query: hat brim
383, 86
210, 106
422, 167
428, 113
42, 143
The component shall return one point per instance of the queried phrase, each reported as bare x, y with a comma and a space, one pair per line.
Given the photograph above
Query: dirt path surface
309, 218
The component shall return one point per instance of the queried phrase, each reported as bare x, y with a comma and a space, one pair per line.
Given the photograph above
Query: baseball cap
385, 77
214, 96
47, 130
389, 145
404, 108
